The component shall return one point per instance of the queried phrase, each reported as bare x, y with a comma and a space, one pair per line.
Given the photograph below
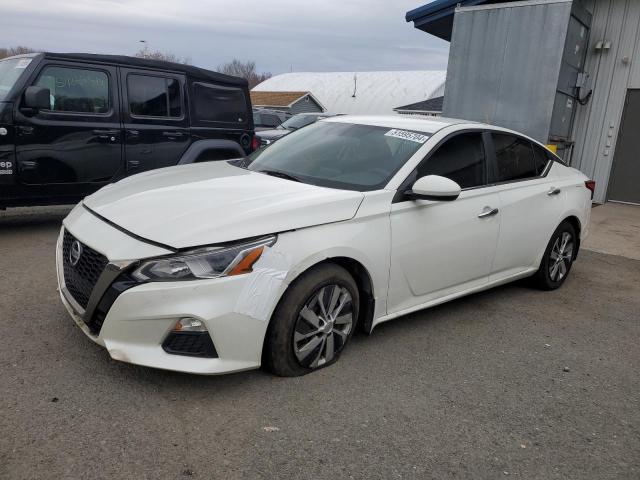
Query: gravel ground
512, 382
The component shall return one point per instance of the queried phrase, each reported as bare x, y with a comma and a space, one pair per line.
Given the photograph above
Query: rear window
151, 96
514, 158
216, 103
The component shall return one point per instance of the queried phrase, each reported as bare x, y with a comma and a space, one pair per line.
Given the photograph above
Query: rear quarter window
217, 103
542, 158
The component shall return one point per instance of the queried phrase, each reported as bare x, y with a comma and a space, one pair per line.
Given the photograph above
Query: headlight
210, 262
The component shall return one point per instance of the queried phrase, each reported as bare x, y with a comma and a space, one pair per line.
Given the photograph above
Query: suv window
215, 103
270, 120
461, 159
154, 96
76, 90
514, 158
542, 157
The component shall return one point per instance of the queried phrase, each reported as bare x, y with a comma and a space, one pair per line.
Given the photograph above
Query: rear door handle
488, 212
553, 191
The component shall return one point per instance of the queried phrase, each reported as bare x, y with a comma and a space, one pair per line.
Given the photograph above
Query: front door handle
111, 135
553, 191
488, 212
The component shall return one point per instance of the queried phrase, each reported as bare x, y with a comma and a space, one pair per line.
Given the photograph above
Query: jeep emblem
75, 253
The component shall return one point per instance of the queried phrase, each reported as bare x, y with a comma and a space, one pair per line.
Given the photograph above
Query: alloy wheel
561, 256
323, 326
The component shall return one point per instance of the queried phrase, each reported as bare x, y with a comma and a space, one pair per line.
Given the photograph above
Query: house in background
430, 108
290, 102
360, 93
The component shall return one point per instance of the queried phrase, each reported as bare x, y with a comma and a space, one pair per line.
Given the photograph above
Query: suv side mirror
37, 98
434, 187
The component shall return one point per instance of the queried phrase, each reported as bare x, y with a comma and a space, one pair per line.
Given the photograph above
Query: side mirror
434, 187
37, 98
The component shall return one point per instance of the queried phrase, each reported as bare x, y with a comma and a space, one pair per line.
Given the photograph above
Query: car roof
422, 124
407, 122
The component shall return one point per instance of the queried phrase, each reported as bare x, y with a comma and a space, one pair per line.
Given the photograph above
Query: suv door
156, 124
75, 146
531, 203
441, 248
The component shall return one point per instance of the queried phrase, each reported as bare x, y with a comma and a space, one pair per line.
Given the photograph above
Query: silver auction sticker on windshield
23, 63
406, 135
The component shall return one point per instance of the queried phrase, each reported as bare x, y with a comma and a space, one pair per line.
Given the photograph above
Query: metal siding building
602, 132
616, 78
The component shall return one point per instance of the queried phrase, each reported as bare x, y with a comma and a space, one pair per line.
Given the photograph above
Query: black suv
71, 123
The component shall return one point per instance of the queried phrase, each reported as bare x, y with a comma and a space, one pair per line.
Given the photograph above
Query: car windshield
10, 71
339, 155
299, 121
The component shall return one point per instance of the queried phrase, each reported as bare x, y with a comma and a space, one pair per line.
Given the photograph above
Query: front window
339, 155
299, 121
461, 159
75, 90
10, 71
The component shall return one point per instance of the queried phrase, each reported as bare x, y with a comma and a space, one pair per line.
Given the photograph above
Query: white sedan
275, 259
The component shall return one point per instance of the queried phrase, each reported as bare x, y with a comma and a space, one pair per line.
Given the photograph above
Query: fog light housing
190, 337
189, 324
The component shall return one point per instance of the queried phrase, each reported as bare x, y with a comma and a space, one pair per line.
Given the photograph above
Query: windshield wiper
280, 174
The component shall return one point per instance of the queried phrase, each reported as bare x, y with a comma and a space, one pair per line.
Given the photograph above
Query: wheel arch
574, 221
360, 274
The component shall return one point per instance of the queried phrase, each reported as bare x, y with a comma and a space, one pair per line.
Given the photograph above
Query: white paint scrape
257, 297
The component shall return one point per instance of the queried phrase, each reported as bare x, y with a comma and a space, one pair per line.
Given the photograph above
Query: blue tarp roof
436, 17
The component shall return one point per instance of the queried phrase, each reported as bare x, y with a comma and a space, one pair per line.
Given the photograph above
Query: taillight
255, 143
591, 185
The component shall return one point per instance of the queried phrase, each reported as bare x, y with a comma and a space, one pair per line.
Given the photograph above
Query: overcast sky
279, 35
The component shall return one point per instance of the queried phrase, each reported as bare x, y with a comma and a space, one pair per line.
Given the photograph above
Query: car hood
216, 202
273, 134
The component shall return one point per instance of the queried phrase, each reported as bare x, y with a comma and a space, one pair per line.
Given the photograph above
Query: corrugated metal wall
613, 71
504, 64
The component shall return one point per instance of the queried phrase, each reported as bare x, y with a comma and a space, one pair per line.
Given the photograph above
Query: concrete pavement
512, 382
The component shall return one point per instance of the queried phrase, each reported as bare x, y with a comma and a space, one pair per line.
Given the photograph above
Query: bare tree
244, 70
11, 51
146, 52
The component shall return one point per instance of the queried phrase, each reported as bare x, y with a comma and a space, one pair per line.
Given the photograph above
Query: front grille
81, 278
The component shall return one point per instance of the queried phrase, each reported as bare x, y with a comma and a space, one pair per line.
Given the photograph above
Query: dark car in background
266, 119
72, 123
300, 120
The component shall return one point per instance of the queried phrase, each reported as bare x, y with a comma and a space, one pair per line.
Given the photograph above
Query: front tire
313, 322
558, 258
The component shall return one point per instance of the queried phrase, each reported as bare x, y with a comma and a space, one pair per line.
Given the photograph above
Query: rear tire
313, 322
558, 258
